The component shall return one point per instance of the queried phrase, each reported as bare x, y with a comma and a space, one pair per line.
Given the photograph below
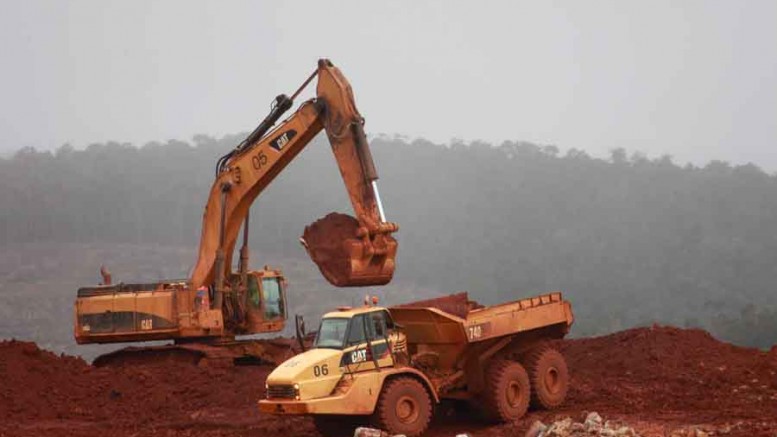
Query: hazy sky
695, 79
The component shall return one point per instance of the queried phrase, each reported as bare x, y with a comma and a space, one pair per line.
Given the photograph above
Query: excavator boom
365, 253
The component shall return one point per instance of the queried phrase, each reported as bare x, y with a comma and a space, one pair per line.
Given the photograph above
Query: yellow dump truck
389, 367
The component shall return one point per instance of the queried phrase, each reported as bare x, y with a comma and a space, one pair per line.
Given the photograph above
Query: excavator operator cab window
253, 292
272, 297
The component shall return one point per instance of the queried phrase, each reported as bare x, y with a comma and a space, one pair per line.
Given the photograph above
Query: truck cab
341, 380
348, 342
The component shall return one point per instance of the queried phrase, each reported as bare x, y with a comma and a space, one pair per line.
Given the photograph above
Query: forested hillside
631, 240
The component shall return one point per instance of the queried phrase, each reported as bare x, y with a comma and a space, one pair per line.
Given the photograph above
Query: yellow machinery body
169, 310
216, 304
371, 362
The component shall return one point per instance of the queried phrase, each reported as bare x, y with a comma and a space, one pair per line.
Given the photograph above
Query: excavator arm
348, 251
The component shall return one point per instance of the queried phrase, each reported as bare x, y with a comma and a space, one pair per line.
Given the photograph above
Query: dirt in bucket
327, 241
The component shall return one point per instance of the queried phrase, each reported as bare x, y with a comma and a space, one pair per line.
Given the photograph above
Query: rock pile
593, 425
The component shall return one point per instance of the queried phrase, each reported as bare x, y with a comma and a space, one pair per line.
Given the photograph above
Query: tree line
631, 240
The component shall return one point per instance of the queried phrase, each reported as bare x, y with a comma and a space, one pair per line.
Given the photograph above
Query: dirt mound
663, 370
38, 385
660, 380
657, 379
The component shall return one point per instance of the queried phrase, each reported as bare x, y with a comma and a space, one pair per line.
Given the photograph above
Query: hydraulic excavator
204, 313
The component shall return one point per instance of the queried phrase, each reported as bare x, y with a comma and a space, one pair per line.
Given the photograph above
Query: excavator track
221, 354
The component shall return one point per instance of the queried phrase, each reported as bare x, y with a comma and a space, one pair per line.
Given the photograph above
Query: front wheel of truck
404, 407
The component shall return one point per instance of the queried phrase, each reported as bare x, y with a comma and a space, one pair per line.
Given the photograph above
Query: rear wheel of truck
549, 377
335, 425
404, 407
507, 391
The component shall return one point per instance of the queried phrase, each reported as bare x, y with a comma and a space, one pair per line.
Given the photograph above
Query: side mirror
299, 325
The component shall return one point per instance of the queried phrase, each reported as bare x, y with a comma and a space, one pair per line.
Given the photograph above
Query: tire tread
496, 373
532, 361
382, 409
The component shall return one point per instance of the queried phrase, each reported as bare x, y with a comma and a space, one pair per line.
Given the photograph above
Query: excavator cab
265, 301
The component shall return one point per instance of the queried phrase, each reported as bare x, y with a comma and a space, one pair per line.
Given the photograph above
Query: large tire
549, 377
507, 391
404, 407
335, 425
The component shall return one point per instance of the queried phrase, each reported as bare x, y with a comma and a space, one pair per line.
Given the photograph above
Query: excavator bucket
346, 256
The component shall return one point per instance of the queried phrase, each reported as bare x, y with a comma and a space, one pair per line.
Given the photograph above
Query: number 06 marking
321, 370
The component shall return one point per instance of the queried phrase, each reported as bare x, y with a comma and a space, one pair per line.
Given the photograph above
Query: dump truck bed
449, 336
436, 326
518, 316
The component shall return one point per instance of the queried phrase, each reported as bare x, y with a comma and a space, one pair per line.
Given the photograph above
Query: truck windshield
331, 334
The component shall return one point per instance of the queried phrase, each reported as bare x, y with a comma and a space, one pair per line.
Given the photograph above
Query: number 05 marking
259, 161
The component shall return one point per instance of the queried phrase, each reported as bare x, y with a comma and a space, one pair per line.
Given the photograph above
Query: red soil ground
656, 379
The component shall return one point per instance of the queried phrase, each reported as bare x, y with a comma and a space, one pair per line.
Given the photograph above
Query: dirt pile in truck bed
655, 379
457, 304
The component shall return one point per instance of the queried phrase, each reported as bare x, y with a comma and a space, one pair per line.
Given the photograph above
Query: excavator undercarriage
203, 352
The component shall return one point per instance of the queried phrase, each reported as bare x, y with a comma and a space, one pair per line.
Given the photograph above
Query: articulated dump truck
389, 367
